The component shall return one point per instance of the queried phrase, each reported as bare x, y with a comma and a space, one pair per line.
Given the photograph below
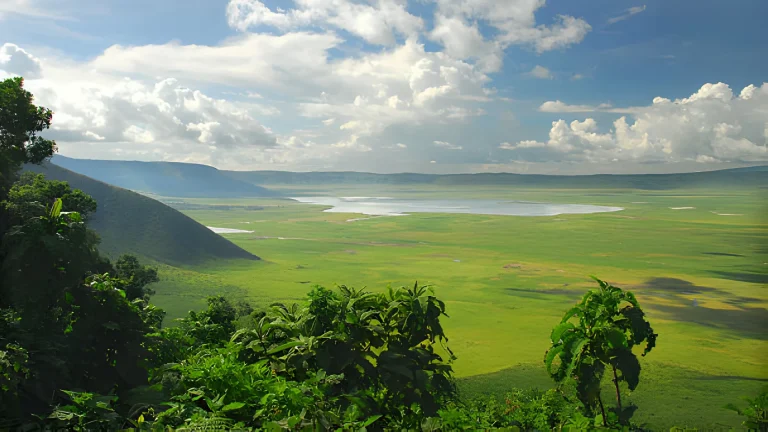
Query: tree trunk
602, 409
618, 393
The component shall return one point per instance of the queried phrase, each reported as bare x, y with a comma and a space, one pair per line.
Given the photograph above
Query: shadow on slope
128, 222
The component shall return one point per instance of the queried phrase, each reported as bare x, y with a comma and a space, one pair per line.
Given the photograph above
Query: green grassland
507, 280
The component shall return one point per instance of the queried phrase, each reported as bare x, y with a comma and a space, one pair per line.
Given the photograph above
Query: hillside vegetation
128, 222
737, 177
168, 179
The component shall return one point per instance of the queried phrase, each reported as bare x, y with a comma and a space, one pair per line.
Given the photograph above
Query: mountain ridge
129, 222
169, 179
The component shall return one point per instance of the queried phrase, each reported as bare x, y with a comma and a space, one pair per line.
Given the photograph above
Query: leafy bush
756, 412
523, 409
609, 323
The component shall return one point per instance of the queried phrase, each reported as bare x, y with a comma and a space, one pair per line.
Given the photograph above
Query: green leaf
56, 208
285, 346
616, 338
557, 332
232, 406
370, 420
627, 363
400, 369
550, 357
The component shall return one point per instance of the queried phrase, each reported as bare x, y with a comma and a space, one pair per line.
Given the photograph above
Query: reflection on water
384, 206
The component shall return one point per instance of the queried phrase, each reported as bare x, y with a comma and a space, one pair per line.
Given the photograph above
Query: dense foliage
82, 348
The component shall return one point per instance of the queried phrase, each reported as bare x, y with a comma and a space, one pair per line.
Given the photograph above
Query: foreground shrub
599, 333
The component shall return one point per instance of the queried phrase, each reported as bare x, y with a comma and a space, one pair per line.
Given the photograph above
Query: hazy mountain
736, 177
170, 179
128, 222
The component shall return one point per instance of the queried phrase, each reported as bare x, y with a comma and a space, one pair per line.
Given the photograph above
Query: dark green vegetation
82, 347
128, 222
737, 177
164, 178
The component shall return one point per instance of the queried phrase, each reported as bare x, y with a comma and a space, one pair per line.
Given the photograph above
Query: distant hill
128, 222
169, 179
736, 177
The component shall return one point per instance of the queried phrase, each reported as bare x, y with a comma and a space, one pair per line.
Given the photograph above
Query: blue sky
396, 85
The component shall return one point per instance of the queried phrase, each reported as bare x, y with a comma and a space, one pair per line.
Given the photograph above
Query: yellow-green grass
507, 280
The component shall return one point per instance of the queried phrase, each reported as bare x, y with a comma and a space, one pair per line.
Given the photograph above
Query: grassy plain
700, 272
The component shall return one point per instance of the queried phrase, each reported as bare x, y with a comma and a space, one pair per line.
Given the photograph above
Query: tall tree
20, 123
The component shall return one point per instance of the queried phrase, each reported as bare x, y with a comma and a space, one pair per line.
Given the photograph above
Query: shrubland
83, 348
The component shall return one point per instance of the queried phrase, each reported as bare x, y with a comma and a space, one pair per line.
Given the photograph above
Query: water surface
384, 206
218, 230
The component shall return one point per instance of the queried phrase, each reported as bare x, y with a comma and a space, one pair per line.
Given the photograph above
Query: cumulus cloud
377, 23
627, 13
540, 72
447, 145
16, 61
515, 22
711, 125
455, 25
362, 97
102, 114
464, 41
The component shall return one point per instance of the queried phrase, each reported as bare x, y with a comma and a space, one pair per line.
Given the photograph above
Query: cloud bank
712, 125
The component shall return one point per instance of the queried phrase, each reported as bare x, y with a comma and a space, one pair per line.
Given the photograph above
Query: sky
439, 86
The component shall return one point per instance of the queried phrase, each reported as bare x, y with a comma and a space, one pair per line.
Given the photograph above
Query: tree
66, 321
20, 123
136, 276
32, 193
609, 323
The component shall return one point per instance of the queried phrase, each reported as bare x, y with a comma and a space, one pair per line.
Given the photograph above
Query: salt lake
385, 206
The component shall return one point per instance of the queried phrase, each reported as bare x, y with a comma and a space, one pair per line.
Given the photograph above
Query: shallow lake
218, 230
384, 206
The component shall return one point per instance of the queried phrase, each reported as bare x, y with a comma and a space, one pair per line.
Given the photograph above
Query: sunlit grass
507, 280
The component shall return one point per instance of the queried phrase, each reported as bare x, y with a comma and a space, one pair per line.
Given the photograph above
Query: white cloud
627, 13
540, 72
16, 61
577, 77
455, 25
138, 135
562, 107
447, 145
516, 23
464, 41
402, 146
250, 60
94, 136
377, 23
710, 125
521, 145
96, 114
